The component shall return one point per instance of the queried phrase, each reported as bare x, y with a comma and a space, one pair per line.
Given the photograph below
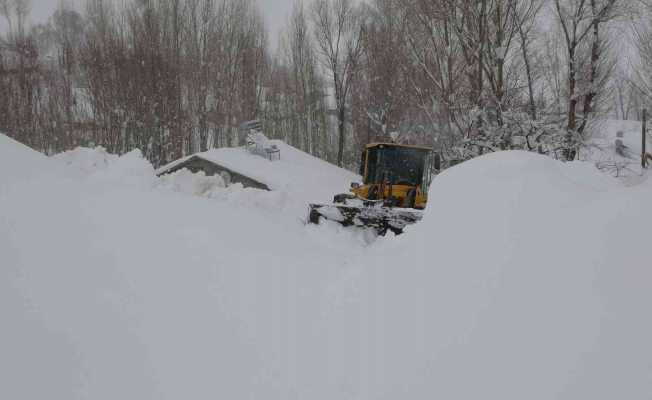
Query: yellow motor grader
393, 193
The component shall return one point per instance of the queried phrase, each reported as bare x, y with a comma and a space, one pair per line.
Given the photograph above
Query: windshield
401, 165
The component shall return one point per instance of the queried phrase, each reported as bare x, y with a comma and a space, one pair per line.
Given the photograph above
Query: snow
111, 289
83, 161
602, 149
608, 129
331, 213
17, 162
297, 173
527, 278
198, 184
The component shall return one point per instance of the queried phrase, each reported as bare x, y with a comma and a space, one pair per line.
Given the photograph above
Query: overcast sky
275, 12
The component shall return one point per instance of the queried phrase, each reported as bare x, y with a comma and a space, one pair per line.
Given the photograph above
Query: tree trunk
595, 58
528, 71
569, 154
572, 99
341, 127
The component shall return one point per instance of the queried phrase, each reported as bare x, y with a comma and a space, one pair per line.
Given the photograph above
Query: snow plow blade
380, 218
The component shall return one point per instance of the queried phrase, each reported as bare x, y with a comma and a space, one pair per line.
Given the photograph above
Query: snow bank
114, 288
527, 279
18, 162
97, 165
86, 161
197, 184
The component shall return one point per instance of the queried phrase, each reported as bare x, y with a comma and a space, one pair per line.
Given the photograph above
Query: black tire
373, 193
342, 198
314, 216
411, 198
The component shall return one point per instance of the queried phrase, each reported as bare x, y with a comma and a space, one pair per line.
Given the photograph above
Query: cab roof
389, 144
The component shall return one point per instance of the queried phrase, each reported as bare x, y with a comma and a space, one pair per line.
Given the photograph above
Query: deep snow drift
527, 278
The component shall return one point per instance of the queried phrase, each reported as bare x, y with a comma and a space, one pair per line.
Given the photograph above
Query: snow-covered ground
624, 163
527, 278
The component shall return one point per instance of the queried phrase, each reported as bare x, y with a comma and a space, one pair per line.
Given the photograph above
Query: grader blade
380, 218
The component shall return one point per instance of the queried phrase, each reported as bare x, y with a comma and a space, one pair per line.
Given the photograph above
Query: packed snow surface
526, 279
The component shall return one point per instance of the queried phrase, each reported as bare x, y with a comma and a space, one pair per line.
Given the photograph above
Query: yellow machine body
400, 192
393, 192
403, 179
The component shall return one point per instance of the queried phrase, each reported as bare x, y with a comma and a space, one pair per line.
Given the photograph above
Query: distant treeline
173, 77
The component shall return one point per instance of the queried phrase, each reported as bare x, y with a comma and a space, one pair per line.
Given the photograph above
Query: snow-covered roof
295, 172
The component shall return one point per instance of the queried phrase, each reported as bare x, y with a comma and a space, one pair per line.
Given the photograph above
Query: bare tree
435, 68
580, 21
20, 75
383, 86
338, 35
527, 13
300, 86
173, 77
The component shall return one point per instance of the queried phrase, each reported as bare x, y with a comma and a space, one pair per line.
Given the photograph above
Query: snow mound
130, 168
527, 278
96, 164
214, 188
197, 184
18, 162
86, 161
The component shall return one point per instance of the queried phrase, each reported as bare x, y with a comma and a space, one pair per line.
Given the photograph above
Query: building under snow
211, 163
230, 163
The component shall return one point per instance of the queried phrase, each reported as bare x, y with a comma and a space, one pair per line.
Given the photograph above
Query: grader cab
392, 194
